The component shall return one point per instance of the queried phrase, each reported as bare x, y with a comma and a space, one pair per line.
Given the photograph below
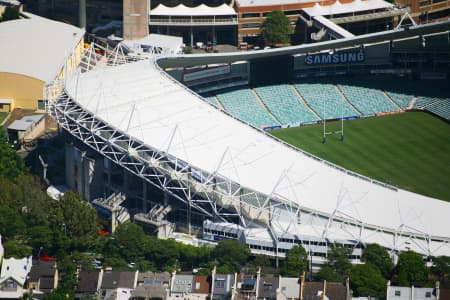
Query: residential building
117, 285
181, 286
268, 287
43, 277
223, 286
412, 292
152, 286
13, 276
289, 288
88, 284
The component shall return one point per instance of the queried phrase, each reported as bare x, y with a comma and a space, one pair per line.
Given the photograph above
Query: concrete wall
23, 90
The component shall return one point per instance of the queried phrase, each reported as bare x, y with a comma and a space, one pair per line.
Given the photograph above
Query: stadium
142, 137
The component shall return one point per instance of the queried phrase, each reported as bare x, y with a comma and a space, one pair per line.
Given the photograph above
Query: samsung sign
335, 58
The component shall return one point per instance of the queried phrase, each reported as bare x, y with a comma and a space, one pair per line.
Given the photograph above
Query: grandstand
285, 104
326, 100
243, 104
367, 100
232, 177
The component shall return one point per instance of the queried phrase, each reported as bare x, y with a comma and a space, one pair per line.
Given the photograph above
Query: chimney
324, 291
388, 287
347, 288
82, 13
302, 283
438, 292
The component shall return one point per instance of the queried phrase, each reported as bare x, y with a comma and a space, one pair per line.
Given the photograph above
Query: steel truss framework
218, 197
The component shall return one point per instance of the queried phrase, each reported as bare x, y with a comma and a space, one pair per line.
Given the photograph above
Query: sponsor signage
217, 71
336, 58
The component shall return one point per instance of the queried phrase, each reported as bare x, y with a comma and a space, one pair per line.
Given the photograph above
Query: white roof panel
343, 8
200, 10
161, 110
36, 47
253, 3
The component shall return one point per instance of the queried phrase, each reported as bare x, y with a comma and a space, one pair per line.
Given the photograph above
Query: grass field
410, 150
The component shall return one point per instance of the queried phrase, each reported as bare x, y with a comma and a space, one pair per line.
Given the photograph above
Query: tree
16, 250
10, 13
366, 280
231, 253
74, 220
410, 268
378, 256
130, 241
11, 165
276, 28
296, 262
327, 273
441, 267
338, 266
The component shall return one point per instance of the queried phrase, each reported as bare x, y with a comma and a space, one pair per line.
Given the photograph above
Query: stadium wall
12, 87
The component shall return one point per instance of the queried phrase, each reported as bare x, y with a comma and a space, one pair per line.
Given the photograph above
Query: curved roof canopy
140, 101
36, 46
197, 11
343, 8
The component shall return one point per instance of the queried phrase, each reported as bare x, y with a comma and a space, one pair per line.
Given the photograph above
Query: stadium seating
325, 100
367, 100
212, 99
440, 108
283, 102
242, 104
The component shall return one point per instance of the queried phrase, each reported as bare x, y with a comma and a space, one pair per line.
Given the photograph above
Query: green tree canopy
296, 262
130, 241
337, 266
79, 220
366, 280
231, 253
411, 268
378, 256
441, 267
276, 28
10, 13
11, 165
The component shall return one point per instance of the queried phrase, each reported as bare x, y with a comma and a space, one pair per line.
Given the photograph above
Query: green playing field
410, 150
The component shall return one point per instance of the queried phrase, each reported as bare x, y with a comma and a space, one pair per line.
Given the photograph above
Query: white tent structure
338, 8
200, 10
148, 123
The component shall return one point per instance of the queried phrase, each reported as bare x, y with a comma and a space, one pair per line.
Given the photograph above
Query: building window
41, 104
251, 15
397, 293
220, 283
428, 295
251, 25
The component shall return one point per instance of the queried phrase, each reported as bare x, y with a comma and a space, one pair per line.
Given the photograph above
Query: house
88, 284
222, 287
289, 288
13, 275
27, 128
43, 277
181, 286
267, 288
412, 293
324, 290
117, 285
247, 286
152, 286
200, 288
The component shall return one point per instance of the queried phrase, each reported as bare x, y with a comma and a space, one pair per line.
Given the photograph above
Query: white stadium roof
36, 47
253, 3
200, 10
342, 8
151, 107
